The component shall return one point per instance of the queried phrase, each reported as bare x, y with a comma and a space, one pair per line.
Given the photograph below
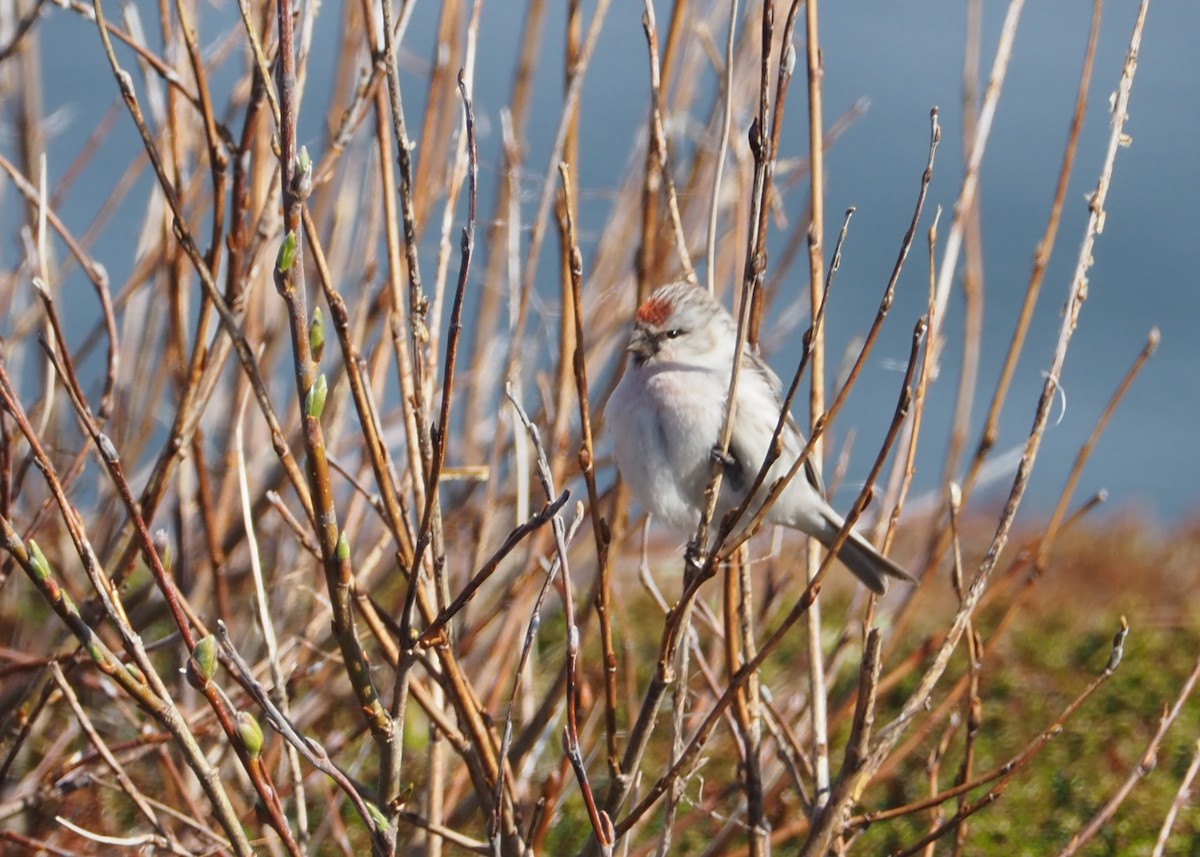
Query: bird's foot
730, 467
721, 457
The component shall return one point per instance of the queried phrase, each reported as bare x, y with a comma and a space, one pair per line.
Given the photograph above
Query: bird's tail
868, 564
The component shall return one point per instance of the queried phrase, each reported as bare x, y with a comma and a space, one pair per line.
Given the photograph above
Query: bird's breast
664, 424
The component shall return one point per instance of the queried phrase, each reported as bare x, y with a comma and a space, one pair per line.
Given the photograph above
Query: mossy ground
1060, 640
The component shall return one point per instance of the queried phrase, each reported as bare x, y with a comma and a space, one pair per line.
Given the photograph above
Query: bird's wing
748, 447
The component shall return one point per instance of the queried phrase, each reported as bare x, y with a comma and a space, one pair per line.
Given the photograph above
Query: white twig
264, 619
142, 841
1181, 797
719, 164
966, 194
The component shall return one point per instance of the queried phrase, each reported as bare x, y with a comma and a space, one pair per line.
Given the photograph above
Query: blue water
904, 58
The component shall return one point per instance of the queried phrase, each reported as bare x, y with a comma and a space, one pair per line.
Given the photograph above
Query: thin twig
1181, 798
1145, 765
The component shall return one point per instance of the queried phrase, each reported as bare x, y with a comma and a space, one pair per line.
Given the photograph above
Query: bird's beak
642, 345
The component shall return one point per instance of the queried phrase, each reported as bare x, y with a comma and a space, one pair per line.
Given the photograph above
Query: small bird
665, 418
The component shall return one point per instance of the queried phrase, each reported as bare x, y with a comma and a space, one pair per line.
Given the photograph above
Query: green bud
203, 661
377, 816
343, 548
37, 559
250, 733
314, 402
316, 334
404, 797
304, 162
287, 253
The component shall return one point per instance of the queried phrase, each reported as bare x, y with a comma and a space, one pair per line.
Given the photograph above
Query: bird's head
682, 324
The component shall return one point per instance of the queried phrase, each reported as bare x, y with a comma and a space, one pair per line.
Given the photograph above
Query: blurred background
886, 65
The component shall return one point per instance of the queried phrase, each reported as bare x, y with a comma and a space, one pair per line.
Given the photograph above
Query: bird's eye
674, 333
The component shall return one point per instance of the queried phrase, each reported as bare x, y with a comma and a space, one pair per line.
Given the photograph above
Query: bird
665, 418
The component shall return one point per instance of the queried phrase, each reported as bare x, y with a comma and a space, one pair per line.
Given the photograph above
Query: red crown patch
654, 312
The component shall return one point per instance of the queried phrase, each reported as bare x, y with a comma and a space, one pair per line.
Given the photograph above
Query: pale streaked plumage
665, 419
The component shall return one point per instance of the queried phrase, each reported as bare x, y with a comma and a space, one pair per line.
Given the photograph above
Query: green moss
1062, 788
